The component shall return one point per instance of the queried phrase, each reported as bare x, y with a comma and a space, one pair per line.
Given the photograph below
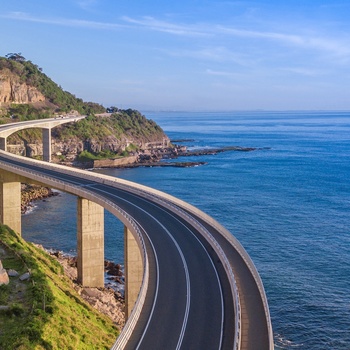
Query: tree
16, 57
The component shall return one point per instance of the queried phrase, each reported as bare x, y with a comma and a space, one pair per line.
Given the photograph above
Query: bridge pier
46, 144
3, 143
90, 239
133, 267
10, 201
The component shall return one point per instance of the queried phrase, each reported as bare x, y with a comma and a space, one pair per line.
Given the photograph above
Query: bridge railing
118, 212
238, 247
223, 258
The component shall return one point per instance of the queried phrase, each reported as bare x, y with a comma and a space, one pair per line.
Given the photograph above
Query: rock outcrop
12, 90
70, 148
4, 278
30, 193
107, 300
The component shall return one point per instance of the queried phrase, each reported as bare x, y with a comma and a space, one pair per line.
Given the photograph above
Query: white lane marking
205, 250
188, 298
212, 263
182, 257
157, 284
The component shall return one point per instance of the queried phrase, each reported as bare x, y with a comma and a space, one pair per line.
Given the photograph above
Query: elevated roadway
45, 124
200, 289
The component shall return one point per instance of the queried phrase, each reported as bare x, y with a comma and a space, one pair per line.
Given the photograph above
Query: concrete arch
45, 124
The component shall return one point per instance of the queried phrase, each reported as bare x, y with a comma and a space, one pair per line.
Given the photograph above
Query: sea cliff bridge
189, 283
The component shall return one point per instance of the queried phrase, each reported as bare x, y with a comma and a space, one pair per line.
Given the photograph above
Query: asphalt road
189, 301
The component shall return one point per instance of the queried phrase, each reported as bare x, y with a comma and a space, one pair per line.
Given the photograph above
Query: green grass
45, 312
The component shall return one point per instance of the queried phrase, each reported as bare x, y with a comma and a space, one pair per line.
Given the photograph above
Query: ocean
287, 202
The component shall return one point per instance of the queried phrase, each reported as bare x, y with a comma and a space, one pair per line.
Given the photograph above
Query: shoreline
160, 157
31, 193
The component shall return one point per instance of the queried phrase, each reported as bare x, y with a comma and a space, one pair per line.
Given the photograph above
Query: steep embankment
44, 311
14, 90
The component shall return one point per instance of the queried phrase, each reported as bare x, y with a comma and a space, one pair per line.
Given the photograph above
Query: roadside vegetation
128, 123
45, 312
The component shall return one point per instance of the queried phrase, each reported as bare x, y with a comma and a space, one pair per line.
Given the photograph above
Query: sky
207, 55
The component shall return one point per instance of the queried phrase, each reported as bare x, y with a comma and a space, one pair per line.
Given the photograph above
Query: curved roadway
189, 301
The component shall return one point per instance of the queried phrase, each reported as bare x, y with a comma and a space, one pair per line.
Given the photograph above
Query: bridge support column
47, 145
3, 144
133, 271
90, 243
10, 201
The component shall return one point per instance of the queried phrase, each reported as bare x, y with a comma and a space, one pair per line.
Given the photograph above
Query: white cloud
22, 16
167, 27
334, 46
86, 4
214, 54
317, 42
304, 71
220, 73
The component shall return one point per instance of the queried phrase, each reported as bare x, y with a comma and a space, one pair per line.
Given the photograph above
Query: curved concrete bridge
45, 124
189, 282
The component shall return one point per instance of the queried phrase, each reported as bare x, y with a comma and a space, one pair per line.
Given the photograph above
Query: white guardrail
167, 200
118, 212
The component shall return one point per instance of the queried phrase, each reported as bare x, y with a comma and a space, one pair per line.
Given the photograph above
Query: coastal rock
30, 193
4, 278
106, 300
24, 277
12, 273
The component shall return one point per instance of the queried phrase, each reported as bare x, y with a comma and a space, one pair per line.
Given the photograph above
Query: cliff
27, 93
12, 90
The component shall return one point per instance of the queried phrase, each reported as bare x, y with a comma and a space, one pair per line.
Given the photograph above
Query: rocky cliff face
70, 148
12, 90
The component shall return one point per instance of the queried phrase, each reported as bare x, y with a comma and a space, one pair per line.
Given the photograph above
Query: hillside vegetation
45, 312
107, 135
59, 100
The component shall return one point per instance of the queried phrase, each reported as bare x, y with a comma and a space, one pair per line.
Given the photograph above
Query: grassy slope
45, 311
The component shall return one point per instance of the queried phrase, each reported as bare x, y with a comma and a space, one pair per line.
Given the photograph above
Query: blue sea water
288, 203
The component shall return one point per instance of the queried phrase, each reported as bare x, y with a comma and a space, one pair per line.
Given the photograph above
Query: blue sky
188, 55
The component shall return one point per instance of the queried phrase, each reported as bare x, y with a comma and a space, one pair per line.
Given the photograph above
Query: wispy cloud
215, 54
324, 44
334, 46
304, 71
167, 27
22, 16
220, 73
330, 45
86, 4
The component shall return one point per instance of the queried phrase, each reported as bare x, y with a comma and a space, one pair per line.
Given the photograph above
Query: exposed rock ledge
160, 158
12, 90
30, 193
107, 300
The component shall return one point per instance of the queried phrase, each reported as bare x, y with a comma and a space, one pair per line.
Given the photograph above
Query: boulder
4, 278
25, 276
12, 273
